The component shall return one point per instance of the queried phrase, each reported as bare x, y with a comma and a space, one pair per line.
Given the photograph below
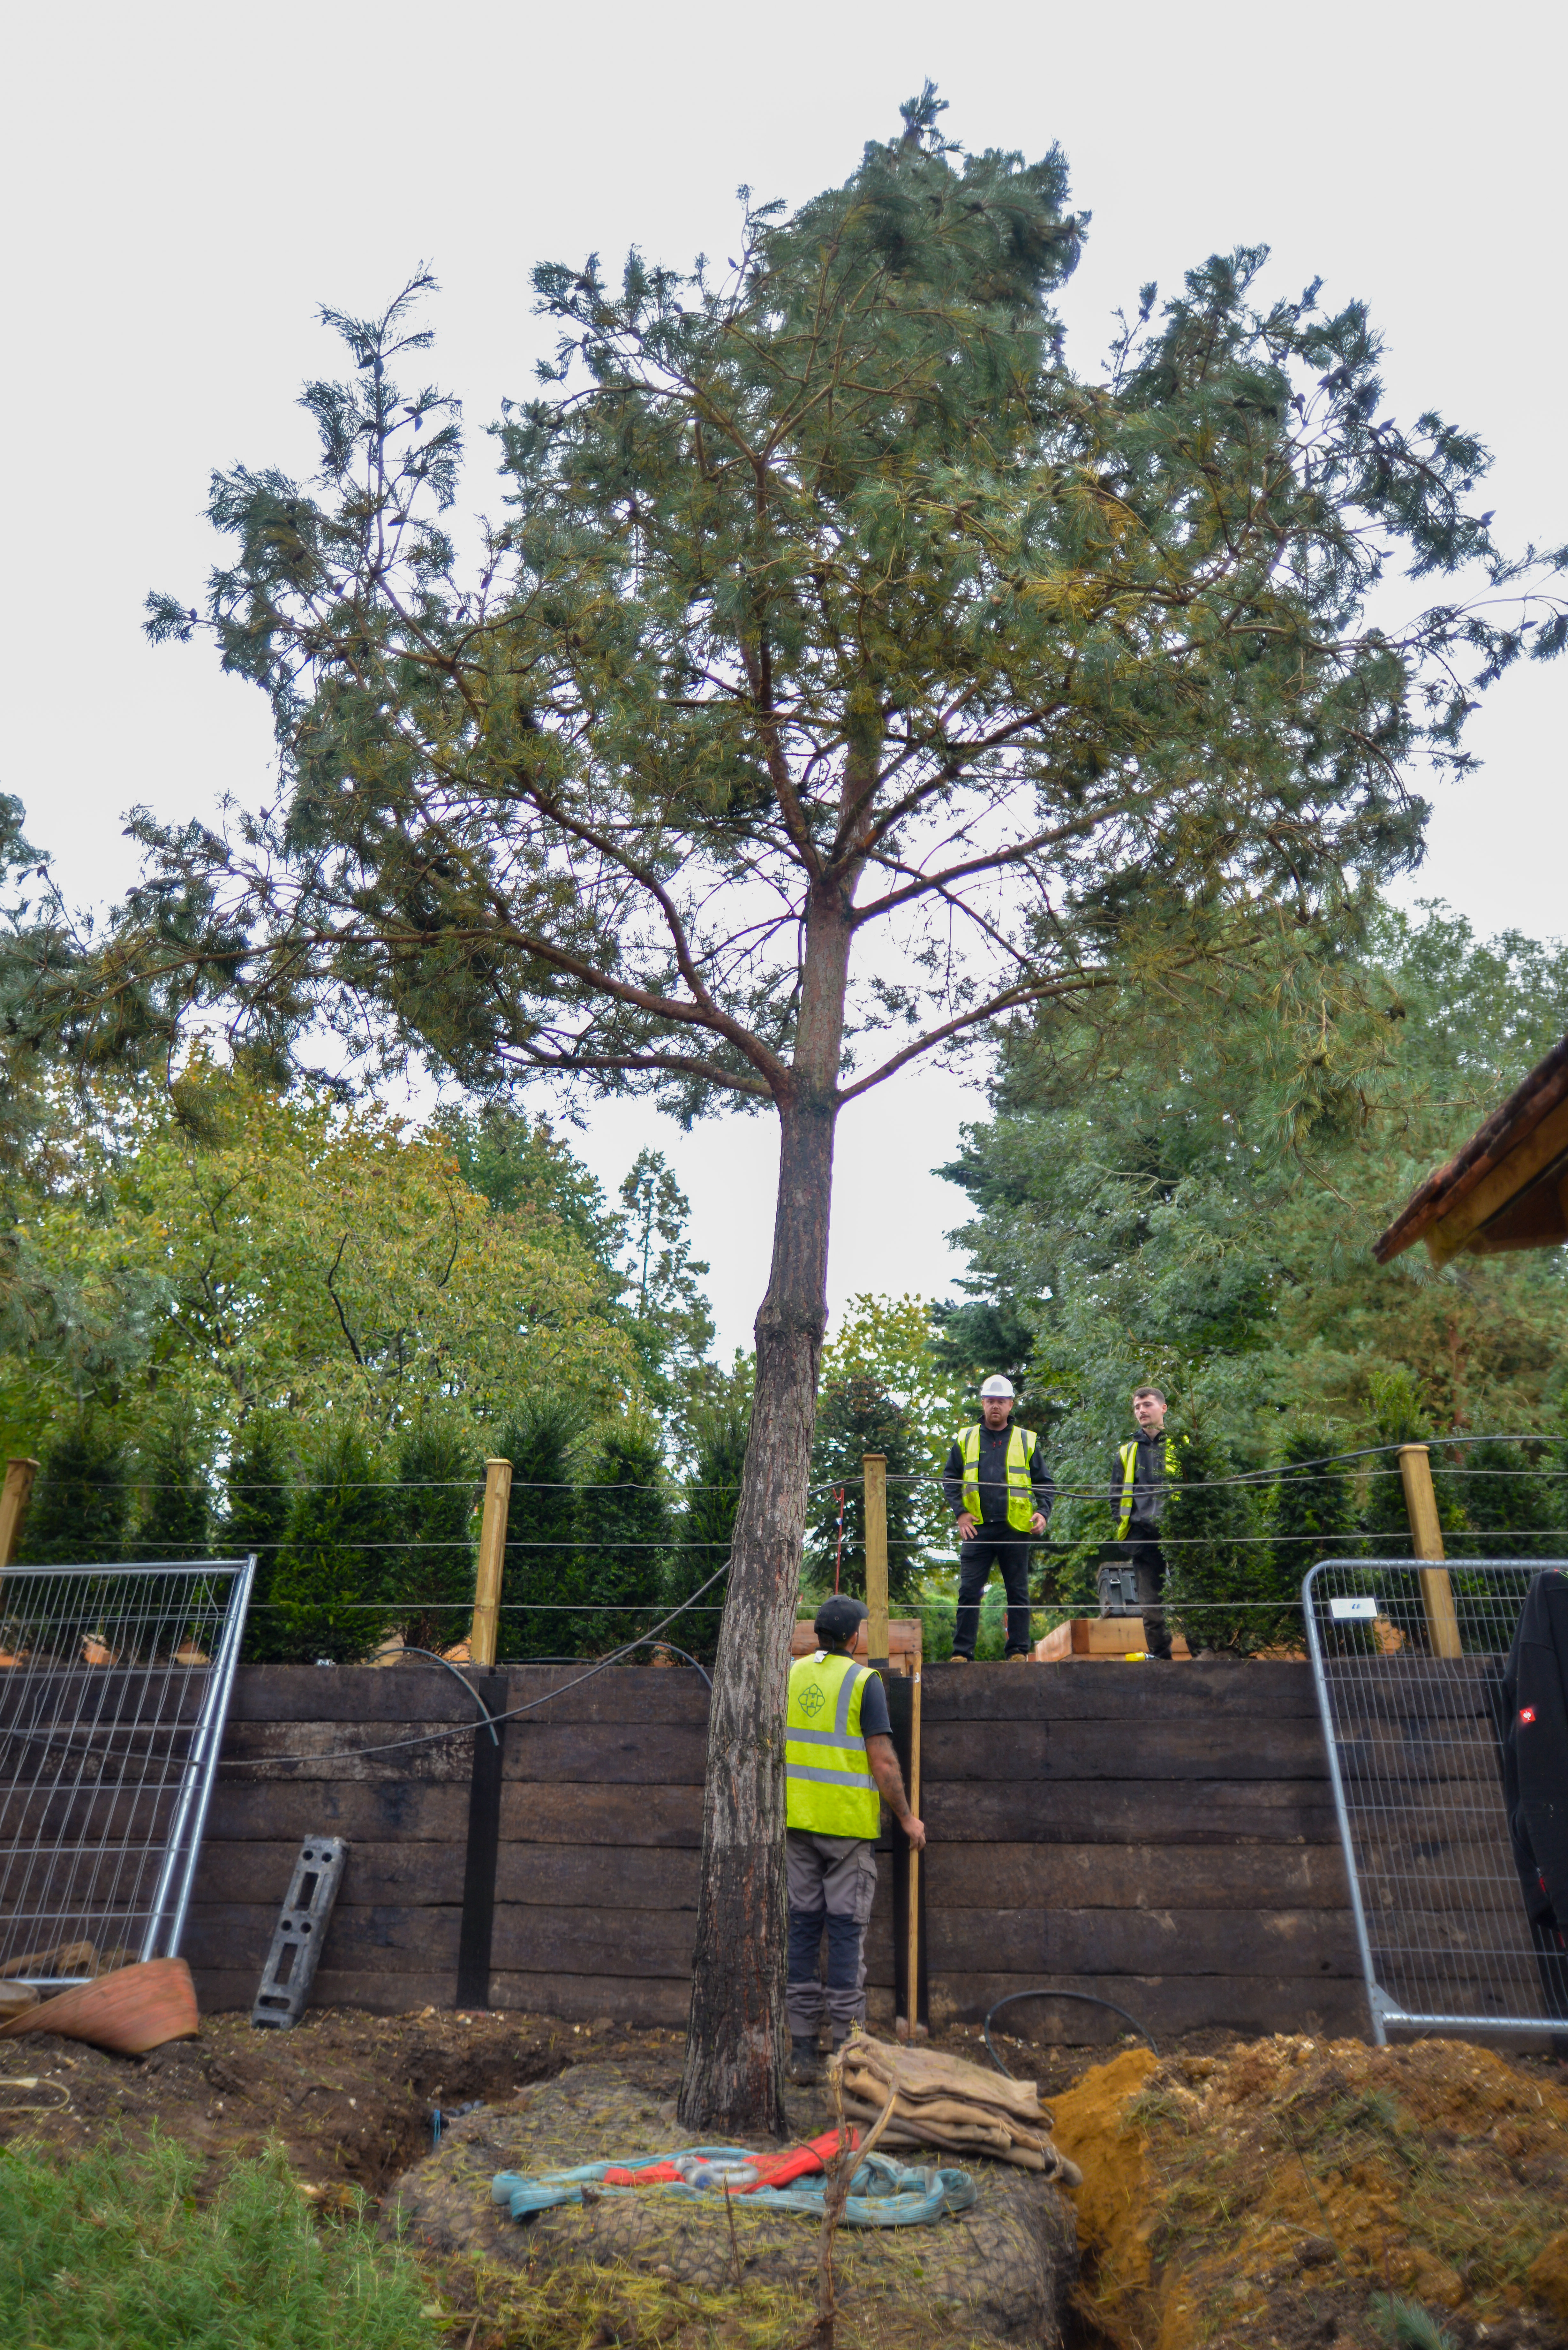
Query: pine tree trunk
733, 2078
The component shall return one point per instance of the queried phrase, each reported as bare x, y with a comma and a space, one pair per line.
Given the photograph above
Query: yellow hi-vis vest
1128, 1456
828, 1786
1020, 1492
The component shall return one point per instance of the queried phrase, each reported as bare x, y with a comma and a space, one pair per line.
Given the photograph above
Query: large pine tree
835, 626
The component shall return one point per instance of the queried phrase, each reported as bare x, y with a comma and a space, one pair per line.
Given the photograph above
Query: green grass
113, 2252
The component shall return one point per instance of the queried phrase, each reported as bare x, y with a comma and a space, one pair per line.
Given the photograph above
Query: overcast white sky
182, 185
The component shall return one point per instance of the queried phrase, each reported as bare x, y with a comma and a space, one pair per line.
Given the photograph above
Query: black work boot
805, 2064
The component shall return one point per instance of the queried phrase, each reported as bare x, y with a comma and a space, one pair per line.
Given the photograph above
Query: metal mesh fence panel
114, 1688
1408, 1663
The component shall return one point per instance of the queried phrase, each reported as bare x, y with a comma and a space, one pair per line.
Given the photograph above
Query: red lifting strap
771, 2170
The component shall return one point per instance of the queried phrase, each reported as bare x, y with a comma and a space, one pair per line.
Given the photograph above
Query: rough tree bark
735, 2071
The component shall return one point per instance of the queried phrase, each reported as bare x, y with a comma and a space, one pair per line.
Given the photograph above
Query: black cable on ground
1088, 1998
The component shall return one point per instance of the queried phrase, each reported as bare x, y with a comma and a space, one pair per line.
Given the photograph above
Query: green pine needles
114, 2247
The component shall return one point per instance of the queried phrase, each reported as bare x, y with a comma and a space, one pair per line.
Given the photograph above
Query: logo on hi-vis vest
812, 1699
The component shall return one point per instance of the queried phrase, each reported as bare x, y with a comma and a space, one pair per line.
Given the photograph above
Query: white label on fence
1361, 1610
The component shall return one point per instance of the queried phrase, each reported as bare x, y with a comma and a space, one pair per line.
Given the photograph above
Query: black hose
1088, 1997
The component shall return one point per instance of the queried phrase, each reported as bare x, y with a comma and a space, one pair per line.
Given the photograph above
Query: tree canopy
1189, 1194
295, 1255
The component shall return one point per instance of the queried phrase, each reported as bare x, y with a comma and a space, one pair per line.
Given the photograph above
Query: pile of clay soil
1299, 2192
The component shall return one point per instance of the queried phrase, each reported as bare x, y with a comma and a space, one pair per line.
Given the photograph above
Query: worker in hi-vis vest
1000, 1492
839, 1763
1132, 1576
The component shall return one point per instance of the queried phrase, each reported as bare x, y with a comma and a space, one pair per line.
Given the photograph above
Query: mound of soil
1001, 2271
1298, 2192
351, 2096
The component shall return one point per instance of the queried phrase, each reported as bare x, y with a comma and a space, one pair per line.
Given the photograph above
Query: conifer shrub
332, 1595
855, 1416
624, 1529
1510, 1505
175, 1519
80, 1507
1314, 1514
706, 1523
257, 1491
431, 1577
542, 1578
1224, 1591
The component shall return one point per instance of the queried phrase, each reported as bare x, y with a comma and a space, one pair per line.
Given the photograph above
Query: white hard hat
996, 1388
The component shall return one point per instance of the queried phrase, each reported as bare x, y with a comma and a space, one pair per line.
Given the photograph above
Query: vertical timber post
492, 1558
912, 1961
15, 1496
1427, 1542
874, 1468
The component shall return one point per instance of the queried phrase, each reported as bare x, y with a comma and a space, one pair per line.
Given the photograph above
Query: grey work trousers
1132, 1587
832, 1884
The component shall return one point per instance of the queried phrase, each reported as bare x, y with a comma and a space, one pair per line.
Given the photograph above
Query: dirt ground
351, 2096
1242, 2195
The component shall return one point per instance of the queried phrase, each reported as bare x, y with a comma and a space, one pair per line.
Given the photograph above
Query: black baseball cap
839, 1619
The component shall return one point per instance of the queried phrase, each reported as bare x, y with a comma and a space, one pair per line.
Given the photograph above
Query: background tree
857, 1415
432, 1577
624, 1530
836, 624
541, 1586
1314, 1514
1188, 1190
1223, 1592
1512, 1502
330, 1590
78, 1510
257, 1491
296, 1254
708, 1521
671, 1328
174, 1520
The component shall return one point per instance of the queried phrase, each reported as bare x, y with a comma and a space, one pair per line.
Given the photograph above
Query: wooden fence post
491, 1558
15, 1496
913, 1969
874, 1468
1427, 1542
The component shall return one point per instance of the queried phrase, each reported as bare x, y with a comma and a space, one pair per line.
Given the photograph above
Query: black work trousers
993, 1546
1132, 1586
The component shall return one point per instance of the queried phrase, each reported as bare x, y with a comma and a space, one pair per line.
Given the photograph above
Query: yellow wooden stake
1427, 1542
491, 1558
912, 1962
874, 1468
15, 1496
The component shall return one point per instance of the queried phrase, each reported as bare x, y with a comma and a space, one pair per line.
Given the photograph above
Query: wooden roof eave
1507, 1187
